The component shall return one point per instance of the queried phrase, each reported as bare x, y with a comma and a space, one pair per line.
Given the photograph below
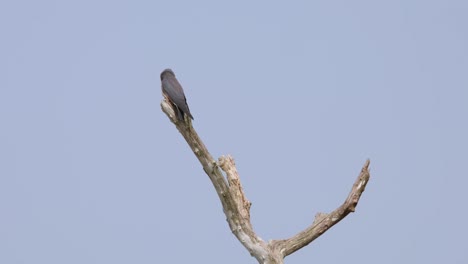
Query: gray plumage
173, 91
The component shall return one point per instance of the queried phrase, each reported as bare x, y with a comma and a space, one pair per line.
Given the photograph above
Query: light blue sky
301, 93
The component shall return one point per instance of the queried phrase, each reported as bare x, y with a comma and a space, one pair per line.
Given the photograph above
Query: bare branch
236, 207
323, 221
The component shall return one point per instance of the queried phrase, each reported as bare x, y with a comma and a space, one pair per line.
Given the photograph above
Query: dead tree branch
236, 207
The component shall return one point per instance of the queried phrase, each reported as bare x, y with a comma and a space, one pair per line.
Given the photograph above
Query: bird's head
167, 72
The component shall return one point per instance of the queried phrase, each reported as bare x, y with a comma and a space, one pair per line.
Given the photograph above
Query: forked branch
236, 207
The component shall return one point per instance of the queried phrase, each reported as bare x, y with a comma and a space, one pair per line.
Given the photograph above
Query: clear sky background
301, 93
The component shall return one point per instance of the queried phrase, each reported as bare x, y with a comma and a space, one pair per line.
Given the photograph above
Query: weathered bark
236, 207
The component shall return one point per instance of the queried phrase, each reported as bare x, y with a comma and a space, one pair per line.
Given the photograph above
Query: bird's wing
175, 92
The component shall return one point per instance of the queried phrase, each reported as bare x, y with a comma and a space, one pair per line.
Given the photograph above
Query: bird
173, 91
